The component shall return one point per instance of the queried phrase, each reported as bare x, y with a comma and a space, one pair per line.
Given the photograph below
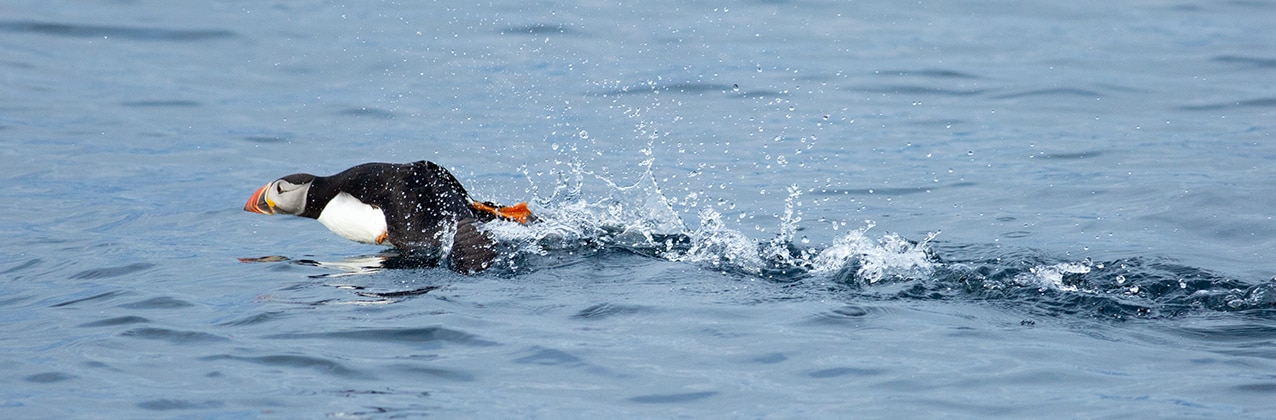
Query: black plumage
419, 199
426, 209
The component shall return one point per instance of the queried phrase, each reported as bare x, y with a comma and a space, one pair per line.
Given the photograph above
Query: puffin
418, 207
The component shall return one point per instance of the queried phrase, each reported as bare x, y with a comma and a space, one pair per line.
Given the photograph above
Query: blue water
761, 209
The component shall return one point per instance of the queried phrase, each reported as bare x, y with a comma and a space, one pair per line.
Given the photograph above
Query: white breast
352, 219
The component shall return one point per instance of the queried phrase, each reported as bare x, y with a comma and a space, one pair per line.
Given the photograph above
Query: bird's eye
279, 188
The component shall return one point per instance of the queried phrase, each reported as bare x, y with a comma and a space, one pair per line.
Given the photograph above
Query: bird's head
285, 195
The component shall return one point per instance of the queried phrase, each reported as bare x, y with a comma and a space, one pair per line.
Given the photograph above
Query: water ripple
931, 73
851, 314
606, 310
683, 88
49, 377
434, 372
14, 299
1119, 289
1247, 61
175, 103
424, 335
889, 191
538, 29
1057, 92
28, 264
173, 336
166, 404
1230, 333
1266, 388
106, 31
672, 398
1069, 156
769, 359
1252, 103
267, 139
845, 371
368, 112
549, 357
162, 302
293, 361
109, 272
917, 90
119, 320
257, 318
106, 295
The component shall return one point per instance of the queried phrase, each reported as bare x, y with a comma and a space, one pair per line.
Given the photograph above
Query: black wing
421, 202
431, 205
472, 249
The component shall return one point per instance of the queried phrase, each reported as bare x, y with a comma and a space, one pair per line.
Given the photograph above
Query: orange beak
258, 203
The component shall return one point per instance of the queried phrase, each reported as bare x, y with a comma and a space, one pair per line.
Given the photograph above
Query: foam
640, 218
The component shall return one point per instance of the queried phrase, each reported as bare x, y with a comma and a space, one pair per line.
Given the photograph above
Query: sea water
758, 209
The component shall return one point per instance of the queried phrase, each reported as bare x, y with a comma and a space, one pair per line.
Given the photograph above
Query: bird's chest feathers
353, 220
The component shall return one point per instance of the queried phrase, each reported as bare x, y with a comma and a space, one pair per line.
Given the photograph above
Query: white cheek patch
352, 219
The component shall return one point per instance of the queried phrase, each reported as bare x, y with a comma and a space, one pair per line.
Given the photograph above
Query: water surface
763, 209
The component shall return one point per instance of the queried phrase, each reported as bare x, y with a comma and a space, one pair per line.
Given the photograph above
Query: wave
639, 219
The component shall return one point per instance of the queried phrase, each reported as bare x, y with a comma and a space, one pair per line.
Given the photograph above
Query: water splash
1053, 275
639, 218
891, 256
